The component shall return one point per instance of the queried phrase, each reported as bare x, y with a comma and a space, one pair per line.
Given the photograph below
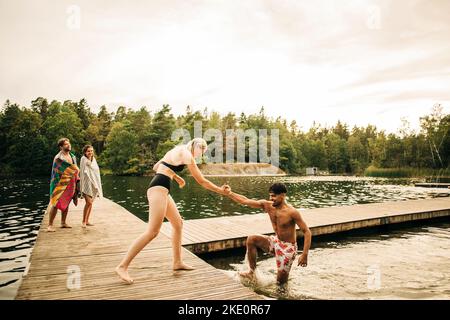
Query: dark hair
87, 147
278, 188
62, 141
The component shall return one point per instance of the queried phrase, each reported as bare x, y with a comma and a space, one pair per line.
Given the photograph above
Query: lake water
23, 201
388, 263
194, 202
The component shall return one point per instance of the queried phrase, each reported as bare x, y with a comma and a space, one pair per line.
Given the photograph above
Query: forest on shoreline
129, 142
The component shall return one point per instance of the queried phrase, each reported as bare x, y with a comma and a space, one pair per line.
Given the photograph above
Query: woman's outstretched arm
205, 183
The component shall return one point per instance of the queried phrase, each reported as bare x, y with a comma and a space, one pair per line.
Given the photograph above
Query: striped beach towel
63, 182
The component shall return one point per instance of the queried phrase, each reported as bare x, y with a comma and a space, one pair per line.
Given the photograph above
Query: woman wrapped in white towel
90, 182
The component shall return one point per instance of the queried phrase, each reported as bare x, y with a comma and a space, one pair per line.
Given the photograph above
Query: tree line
129, 142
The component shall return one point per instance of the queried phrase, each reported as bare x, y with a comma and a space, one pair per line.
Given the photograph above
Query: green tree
435, 128
8, 117
357, 154
62, 121
289, 159
314, 152
341, 129
26, 150
337, 153
83, 111
121, 147
40, 105
121, 114
162, 127
104, 124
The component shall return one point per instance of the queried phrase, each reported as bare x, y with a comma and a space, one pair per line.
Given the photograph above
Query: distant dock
216, 234
432, 185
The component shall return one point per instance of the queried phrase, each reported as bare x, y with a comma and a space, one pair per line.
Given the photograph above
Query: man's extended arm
246, 201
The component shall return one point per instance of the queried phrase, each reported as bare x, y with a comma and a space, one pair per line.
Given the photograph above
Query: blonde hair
191, 145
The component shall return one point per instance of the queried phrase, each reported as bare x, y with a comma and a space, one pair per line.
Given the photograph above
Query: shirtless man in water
283, 245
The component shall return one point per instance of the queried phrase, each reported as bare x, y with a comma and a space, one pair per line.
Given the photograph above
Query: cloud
358, 59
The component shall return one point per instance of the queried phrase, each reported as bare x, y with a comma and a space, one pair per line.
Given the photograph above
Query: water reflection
22, 204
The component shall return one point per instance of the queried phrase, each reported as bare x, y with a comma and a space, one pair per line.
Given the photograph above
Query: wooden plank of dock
215, 234
95, 251
433, 185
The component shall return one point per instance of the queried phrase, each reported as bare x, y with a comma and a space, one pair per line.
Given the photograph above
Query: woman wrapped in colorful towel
63, 184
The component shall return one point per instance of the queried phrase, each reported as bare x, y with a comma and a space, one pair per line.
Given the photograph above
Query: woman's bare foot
65, 226
182, 266
50, 229
123, 274
83, 225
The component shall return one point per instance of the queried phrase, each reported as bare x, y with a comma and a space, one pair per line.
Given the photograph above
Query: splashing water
411, 263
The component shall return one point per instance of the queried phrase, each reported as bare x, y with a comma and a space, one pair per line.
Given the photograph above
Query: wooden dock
432, 185
215, 234
95, 252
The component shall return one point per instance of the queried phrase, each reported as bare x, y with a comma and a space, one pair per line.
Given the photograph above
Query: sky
357, 61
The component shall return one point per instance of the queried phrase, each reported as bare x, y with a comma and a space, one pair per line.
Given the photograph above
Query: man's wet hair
278, 188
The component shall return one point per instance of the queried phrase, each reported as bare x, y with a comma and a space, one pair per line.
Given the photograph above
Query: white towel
90, 177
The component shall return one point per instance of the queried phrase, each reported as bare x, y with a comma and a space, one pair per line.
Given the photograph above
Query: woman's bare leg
86, 210
89, 212
173, 215
157, 200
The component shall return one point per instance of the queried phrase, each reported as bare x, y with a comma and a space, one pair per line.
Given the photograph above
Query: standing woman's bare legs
87, 209
173, 215
89, 212
157, 201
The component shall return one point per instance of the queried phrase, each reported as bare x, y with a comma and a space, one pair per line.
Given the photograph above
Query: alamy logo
236, 144
373, 277
73, 277
73, 21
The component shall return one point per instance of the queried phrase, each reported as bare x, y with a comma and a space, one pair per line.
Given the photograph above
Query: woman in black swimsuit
162, 205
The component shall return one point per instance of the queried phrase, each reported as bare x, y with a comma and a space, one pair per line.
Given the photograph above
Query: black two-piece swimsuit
162, 180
